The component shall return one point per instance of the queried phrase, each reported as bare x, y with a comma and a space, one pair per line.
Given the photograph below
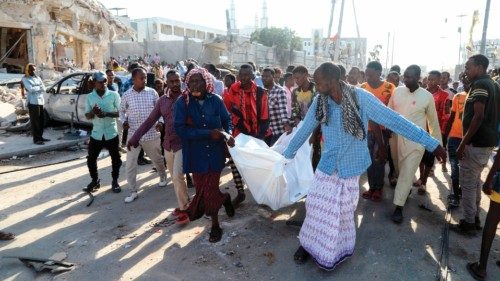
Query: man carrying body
277, 107
480, 129
101, 106
172, 144
248, 105
417, 105
136, 105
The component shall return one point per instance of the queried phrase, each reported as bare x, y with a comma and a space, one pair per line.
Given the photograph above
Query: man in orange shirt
454, 134
377, 142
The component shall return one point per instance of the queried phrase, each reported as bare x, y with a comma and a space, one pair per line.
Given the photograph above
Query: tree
280, 38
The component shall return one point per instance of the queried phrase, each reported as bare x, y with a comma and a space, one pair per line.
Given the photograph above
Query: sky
425, 32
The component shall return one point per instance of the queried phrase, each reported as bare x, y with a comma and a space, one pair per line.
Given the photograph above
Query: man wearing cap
101, 106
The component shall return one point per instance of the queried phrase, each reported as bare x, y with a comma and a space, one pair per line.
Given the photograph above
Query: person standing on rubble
33, 86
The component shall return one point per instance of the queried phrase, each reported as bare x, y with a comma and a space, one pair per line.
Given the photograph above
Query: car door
63, 100
87, 88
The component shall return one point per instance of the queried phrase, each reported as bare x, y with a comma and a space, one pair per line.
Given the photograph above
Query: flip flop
301, 255
472, 268
215, 235
377, 196
418, 183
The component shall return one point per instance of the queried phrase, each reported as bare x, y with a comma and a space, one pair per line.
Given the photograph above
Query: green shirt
109, 102
484, 90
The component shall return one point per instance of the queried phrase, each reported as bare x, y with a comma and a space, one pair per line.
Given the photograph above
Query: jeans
95, 147
376, 171
453, 144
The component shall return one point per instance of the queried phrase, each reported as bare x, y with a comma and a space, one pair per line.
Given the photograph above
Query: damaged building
56, 34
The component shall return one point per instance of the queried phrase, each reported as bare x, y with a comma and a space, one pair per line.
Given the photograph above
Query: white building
162, 29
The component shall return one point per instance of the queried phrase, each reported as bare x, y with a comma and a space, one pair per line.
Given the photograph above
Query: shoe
92, 186
122, 150
131, 197
182, 218
397, 216
39, 142
421, 190
115, 187
239, 198
44, 139
464, 228
228, 206
377, 195
162, 183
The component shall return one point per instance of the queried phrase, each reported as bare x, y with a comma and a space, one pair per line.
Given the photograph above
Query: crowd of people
356, 121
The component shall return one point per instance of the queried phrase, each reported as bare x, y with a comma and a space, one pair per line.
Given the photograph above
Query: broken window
13, 49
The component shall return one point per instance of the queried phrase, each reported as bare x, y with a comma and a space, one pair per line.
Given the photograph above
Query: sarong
208, 198
328, 233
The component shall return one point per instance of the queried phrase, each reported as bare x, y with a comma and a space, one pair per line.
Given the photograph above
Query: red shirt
441, 99
242, 105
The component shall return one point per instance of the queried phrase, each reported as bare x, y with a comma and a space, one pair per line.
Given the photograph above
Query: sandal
418, 183
228, 206
377, 195
473, 271
215, 235
367, 194
393, 181
301, 255
6, 236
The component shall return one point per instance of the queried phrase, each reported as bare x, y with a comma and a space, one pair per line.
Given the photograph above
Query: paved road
111, 240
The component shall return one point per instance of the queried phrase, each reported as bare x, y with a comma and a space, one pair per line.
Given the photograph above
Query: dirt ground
111, 240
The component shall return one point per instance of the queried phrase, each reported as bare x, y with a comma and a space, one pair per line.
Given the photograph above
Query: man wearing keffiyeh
328, 233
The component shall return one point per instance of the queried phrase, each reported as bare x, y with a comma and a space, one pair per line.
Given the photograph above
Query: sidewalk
21, 144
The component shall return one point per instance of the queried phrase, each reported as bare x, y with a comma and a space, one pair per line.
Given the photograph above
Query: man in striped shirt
136, 105
278, 116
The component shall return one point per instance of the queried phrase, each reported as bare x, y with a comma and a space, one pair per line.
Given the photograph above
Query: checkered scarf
209, 82
351, 119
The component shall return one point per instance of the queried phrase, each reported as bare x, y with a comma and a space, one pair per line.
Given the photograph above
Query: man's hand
216, 135
288, 129
440, 154
159, 127
129, 145
461, 151
101, 114
231, 142
97, 110
126, 126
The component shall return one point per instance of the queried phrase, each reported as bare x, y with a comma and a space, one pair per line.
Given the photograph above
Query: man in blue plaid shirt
278, 116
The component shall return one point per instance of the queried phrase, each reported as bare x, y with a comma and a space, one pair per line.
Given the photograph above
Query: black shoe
397, 216
115, 187
239, 198
39, 142
477, 223
143, 161
464, 228
92, 186
44, 139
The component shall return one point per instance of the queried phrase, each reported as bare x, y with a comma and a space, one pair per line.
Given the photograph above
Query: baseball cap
99, 76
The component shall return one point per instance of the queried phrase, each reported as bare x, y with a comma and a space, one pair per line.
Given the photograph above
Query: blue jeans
453, 144
376, 171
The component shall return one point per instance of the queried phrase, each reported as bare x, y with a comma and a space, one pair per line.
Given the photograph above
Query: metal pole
337, 45
482, 50
329, 35
392, 51
460, 40
387, 52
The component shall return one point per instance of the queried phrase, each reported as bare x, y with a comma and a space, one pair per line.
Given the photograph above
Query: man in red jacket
248, 105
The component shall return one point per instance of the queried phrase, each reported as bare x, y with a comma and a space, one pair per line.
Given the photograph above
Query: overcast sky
422, 34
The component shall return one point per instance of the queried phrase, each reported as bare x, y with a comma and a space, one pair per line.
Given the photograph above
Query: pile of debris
12, 106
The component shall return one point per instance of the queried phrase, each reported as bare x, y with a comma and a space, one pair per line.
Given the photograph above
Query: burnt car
65, 100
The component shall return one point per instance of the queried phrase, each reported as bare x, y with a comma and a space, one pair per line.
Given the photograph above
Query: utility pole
460, 40
392, 50
329, 34
482, 50
387, 52
337, 45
